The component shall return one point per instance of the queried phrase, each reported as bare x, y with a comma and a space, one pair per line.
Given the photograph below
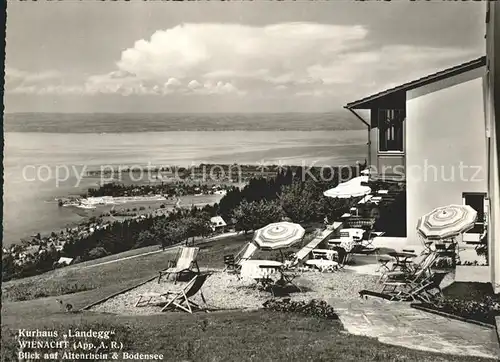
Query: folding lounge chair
416, 291
402, 286
413, 272
186, 261
233, 262
423, 290
229, 262
179, 298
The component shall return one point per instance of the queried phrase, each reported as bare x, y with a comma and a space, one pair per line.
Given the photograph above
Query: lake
32, 158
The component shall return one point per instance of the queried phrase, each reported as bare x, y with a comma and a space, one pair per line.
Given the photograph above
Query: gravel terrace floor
224, 291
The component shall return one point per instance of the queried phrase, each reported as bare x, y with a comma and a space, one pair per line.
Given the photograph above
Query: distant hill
161, 122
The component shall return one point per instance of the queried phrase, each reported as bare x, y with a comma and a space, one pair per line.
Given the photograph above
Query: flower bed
312, 308
484, 310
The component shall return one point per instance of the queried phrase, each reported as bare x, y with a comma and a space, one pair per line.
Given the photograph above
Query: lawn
113, 276
228, 336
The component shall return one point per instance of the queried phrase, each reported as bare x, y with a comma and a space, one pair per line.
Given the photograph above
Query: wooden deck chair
186, 262
428, 289
229, 262
246, 253
178, 298
413, 274
234, 261
421, 290
398, 285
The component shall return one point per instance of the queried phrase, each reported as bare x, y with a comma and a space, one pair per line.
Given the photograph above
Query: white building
218, 223
438, 134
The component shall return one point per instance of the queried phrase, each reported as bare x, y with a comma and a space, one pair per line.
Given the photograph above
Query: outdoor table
402, 259
322, 264
355, 233
329, 253
264, 271
254, 269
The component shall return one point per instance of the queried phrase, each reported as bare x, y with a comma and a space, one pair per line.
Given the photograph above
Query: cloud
194, 84
230, 51
288, 59
15, 78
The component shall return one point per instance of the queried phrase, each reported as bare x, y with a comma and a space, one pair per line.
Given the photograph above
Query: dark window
477, 202
390, 125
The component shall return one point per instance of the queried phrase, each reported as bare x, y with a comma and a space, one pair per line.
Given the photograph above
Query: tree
301, 203
146, 238
288, 178
254, 215
229, 202
333, 209
8, 267
98, 252
299, 173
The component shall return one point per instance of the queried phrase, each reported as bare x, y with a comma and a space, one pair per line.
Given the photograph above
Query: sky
216, 56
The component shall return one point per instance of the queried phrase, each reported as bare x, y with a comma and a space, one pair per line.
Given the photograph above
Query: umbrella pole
282, 257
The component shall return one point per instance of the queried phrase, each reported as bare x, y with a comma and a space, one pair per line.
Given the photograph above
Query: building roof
443, 74
217, 221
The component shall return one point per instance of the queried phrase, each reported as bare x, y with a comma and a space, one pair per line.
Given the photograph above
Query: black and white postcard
251, 181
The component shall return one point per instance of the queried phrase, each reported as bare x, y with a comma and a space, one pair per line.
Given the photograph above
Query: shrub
98, 252
29, 291
483, 310
313, 308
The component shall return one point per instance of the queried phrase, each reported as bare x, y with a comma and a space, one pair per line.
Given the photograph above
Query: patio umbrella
278, 235
351, 188
447, 222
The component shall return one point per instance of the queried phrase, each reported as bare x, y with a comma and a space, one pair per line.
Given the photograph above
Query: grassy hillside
231, 336
218, 336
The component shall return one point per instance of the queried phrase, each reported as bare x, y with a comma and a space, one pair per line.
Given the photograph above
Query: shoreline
93, 201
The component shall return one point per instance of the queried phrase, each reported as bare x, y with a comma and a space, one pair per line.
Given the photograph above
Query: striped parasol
447, 222
278, 235
348, 189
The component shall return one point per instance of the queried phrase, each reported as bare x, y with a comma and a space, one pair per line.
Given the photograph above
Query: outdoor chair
343, 237
229, 262
343, 257
420, 264
398, 284
429, 289
323, 254
302, 254
447, 250
383, 260
359, 222
186, 262
285, 280
178, 299
420, 291
233, 262
369, 236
